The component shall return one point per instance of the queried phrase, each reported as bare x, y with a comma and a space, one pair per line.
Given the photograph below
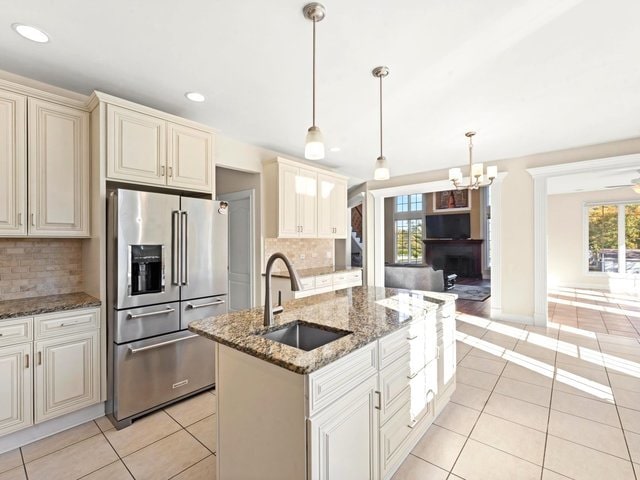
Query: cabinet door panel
288, 186
15, 388
13, 164
344, 437
58, 170
190, 158
326, 191
136, 146
339, 208
67, 375
307, 181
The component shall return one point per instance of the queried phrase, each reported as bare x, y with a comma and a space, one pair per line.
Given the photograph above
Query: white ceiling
528, 75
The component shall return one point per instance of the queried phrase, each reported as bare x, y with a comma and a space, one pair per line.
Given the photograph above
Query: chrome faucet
295, 286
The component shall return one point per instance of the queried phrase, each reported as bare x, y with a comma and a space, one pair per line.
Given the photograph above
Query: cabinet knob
162, 170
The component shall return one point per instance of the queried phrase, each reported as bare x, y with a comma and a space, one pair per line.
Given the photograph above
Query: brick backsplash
35, 267
317, 252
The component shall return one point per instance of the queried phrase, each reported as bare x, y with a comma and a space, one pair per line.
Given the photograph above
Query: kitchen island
351, 408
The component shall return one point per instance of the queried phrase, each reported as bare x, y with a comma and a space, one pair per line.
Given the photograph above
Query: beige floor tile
14, 474
627, 382
613, 340
531, 372
142, 433
457, 418
482, 462
414, 468
583, 463
588, 433
166, 457
10, 460
633, 440
205, 432
469, 396
504, 340
204, 469
523, 442
524, 391
461, 350
550, 475
627, 398
104, 424
193, 409
630, 419
483, 364
440, 447
73, 461
518, 411
585, 407
113, 471
58, 441
476, 378
546, 355
594, 373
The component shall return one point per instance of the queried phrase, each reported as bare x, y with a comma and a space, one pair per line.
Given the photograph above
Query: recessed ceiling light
31, 33
194, 96
334, 149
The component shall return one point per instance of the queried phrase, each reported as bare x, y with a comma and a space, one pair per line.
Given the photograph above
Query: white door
189, 158
13, 164
241, 249
58, 170
15, 388
67, 374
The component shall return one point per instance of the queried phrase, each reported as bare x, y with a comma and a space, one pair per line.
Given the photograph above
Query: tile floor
174, 443
531, 403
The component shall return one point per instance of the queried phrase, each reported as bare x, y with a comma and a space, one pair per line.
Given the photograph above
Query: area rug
470, 292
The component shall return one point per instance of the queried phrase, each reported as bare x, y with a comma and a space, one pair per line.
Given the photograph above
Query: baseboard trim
497, 314
50, 427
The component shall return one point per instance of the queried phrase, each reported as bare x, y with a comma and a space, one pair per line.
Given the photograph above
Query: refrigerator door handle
176, 248
184, 270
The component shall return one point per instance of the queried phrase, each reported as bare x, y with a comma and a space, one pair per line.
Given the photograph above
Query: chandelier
476, 172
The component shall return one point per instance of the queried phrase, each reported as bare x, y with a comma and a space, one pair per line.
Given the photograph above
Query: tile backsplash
38, 266
303, 252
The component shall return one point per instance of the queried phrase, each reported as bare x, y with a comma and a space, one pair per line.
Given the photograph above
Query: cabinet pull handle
191, 306
19, 218
379, 395
170, 172
33, 219
413, 423
168, 310
162, 170
412, 338
26, 358
39, 358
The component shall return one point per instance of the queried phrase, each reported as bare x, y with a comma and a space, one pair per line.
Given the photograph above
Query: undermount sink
304, 336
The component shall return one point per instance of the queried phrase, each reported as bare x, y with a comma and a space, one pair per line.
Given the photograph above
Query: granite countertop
369, 312
312, 272
26, 307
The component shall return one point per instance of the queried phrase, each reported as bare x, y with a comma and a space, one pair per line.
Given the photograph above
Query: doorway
241, 248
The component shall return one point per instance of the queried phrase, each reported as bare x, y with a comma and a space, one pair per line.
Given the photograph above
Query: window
408, 235
614, 238
409, 203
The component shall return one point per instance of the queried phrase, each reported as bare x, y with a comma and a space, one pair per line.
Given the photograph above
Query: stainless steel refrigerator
167, 262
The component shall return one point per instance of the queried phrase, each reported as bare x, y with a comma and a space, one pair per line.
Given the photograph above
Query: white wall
566, 242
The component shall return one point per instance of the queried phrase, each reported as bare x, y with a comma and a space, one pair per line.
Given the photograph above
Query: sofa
413, 277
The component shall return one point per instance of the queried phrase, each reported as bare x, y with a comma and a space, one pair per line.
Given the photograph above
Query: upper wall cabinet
148, 147
13, 164
43, 193
304, 202
58, 170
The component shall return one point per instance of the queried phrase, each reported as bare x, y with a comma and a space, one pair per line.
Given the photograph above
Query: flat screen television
457, 226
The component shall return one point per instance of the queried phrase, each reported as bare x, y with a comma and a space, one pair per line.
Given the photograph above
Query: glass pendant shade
382, 170
314, 144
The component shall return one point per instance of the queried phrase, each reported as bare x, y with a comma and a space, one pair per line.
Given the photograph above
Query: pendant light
476, 171
314, 144
382, 170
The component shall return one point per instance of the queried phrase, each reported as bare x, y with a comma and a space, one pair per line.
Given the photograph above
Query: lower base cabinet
67, 375
15, 388
344, 437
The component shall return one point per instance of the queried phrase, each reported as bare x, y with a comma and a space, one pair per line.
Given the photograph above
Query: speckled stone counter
312, 272
369, 312
26, 307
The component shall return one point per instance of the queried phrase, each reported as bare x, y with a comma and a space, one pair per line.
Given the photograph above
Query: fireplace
462, 257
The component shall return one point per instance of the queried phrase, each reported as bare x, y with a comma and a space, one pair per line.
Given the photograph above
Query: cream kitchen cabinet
315, 285
13, 164
58, 170
332, 206
297, 197
150, 149
45, 192
15, 388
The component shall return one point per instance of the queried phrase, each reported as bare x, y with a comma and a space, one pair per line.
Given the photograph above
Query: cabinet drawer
394, 388
339, 279
308, 283
16, 330
354, 277
330, 383
62, 323
409, 340
324, 281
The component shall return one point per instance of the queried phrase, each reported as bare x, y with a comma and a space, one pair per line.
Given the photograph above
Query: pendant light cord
380, 115
314, 74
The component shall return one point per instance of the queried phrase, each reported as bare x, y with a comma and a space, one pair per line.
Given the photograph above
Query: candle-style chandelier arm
476, 172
